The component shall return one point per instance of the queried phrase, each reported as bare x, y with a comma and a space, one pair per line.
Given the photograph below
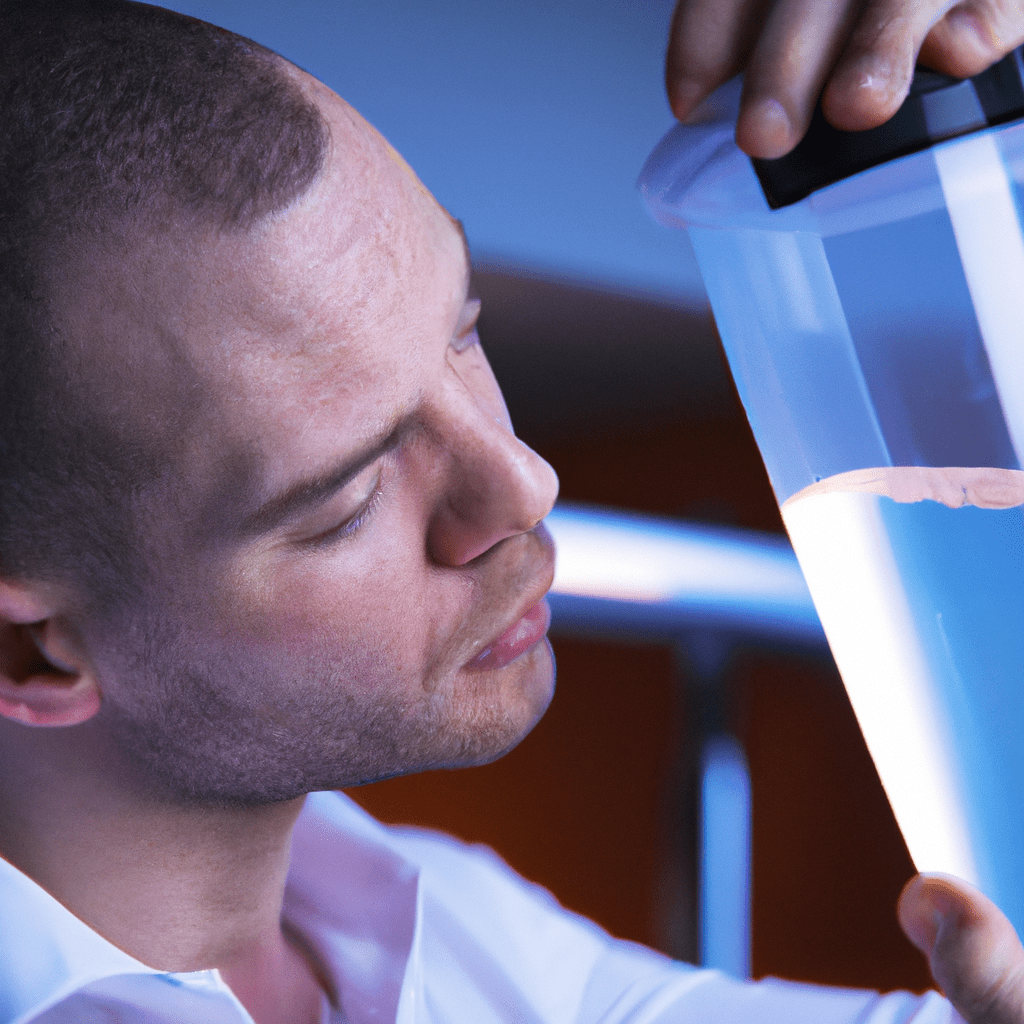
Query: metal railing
702, 589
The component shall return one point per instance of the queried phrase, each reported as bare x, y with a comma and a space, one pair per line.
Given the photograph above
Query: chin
498, 726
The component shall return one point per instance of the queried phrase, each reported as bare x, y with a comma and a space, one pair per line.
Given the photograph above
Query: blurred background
530, 121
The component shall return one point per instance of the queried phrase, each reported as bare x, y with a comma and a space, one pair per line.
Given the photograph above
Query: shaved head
124, 127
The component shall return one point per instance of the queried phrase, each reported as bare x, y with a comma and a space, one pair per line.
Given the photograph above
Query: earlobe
45, 678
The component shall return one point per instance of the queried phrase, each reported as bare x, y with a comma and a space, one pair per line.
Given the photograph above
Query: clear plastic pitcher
874, 324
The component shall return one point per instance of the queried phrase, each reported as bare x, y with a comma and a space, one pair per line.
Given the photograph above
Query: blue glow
725, 859
658, 576
530, 121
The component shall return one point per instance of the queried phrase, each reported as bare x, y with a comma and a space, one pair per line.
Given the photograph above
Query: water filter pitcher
869, 292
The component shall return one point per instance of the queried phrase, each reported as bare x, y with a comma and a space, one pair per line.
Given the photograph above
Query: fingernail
943, 909
932, 914
923, 931
685, 96
864, 94
764, 128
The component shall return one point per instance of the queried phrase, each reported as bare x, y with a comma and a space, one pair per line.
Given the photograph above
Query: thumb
972, 949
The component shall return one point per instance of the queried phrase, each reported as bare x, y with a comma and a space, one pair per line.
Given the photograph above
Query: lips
522, 636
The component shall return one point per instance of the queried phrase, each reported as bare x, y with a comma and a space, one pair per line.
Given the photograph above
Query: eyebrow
312, 491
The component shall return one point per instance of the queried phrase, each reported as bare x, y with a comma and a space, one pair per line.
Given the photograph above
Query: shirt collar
354, 899
47, 951
349, 897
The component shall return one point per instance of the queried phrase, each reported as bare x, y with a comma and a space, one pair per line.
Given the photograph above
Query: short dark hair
114, 112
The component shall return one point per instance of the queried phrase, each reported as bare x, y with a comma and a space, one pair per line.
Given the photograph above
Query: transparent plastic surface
848, 319
875, 332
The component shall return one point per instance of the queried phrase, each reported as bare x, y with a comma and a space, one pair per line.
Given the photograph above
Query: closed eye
353, 524
344, 513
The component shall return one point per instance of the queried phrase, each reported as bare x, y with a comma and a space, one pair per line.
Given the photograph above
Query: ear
46, 677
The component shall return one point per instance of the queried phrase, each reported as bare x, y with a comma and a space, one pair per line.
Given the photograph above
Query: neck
181, 888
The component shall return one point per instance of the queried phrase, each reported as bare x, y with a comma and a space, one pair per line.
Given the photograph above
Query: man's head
306, 515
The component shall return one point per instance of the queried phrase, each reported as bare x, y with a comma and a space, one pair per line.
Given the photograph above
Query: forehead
367, 245
366, 233
338, 297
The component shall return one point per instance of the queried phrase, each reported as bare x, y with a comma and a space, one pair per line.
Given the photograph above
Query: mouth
531, 624
521, 637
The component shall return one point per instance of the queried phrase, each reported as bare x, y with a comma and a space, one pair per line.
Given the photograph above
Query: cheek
382, 619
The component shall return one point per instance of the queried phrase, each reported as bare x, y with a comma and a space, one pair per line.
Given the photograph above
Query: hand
860, 52
972, 949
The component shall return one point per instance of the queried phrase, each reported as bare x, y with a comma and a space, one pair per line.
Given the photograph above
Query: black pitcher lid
938, 107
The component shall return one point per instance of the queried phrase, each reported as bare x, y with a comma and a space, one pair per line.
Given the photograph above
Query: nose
495, 486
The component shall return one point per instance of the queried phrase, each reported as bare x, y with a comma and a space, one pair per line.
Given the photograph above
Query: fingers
710, 42
861, 52
972, 949
972, 36
874, 71
873, 74
796, 50
785, 47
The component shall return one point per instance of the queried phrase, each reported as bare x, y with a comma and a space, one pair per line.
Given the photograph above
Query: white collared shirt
413, 928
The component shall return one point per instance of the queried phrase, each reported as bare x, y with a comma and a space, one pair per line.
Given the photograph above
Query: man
265, 531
